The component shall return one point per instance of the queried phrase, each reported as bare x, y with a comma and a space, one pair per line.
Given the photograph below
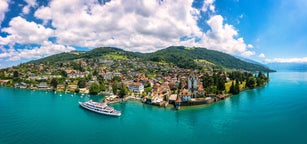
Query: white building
136, 87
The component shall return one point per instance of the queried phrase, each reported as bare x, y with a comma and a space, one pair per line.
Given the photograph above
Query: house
42, 85
71, 73
2, 82
60, 86
108, 76
117, 74
172, 98
72, 86
84, 90
83, 64
23, 85
136, 87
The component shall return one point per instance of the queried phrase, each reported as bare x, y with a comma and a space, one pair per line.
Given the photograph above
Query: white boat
101, 108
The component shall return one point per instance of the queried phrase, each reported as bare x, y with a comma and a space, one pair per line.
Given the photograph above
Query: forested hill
185, 57
181, 56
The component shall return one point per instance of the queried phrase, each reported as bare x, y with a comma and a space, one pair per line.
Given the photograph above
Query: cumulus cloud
130, 24
222, 37
30, 3
46, 49
287, 60
261, 55
134, 25
23, 32
4, 7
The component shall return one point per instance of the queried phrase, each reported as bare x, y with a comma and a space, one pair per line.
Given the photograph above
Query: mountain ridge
184, 57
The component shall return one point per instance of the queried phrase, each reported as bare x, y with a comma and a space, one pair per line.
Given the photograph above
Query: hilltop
183, 57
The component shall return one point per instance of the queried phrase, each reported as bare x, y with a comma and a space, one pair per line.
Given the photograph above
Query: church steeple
192, 83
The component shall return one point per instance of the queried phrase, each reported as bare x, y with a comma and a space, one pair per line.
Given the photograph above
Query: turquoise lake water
276, 113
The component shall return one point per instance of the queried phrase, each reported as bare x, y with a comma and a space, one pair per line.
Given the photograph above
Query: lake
275, 113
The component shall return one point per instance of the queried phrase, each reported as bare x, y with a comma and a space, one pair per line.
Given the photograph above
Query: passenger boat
101, 108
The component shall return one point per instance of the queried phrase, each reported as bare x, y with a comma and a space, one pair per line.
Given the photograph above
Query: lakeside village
155, 83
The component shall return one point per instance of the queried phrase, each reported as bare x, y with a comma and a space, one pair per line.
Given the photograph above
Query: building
42, 85
185, 95
136, 87
192, 82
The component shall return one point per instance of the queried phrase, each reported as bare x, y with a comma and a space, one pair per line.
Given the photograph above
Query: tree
232, 88
94, 89
116, 78
95, 73
2, 75
179, 87
63, 73
148, 90
260, 81
15, 74
221, 84
250, 83
54, 83
81, 83
102, 86
114, 87
123, 91
261, 75
237, 87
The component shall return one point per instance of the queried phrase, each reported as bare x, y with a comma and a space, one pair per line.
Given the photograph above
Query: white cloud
23, 32
4, 7
30, 3
250, 46
46, 49
287, 60
261, 55
208, 4
130, 24
43, 13
222, 37
248, 53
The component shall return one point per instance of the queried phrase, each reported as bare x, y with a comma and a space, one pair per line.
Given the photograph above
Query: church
192, 89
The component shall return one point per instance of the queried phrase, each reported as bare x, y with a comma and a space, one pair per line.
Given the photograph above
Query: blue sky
262, 30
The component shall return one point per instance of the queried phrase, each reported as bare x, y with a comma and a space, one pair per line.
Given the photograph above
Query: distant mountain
250, 61
288, 66
181, 56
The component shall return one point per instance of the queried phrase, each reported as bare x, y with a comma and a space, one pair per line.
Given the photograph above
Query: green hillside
184, 57
181, 56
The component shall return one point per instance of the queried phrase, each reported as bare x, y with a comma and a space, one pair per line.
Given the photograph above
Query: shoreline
133, 98
139, 99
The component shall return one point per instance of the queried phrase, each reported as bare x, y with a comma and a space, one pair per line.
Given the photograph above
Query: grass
115, 56
162, 63
151, 75
189, 48
204, 61
228, 85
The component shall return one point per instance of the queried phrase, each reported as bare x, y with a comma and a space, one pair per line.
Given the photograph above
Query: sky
262, 30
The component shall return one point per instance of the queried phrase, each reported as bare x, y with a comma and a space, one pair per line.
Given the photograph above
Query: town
119, 78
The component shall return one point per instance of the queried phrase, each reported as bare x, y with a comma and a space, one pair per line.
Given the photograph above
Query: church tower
192, 82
